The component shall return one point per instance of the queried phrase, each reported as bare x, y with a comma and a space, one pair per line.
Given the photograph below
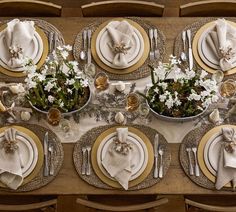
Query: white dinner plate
139, 160
34, 52
106, 55
28, 151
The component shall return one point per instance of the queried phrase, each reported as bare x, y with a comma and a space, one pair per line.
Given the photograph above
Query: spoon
83, 54
183, 55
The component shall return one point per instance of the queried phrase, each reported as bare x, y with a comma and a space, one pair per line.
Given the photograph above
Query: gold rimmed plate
107, 179
39, 146
42, 56
198, 55
127, 70
200, 153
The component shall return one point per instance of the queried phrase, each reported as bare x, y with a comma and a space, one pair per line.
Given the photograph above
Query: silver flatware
151, 53
161, 152
88, 168
83, 53
50, 38
190, 52
156, 51
188, 149
197, 173
55, 38
51, 151
89, 47
156, 143
84, 161
183, 54
45, 148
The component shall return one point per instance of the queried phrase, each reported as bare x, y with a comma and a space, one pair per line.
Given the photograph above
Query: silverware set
183, 55
158, 150
52, 41
193, 162
85, 53
48, 157
86, 164
154, 51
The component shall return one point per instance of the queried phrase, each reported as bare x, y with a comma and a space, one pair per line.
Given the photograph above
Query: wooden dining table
68, 182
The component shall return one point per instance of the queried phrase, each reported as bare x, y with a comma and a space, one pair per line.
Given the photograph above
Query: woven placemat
58, 155
141, 72
194, 27
192, 139
47, 28
89, 138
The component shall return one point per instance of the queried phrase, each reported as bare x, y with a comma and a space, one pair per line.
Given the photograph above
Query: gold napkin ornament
229, 135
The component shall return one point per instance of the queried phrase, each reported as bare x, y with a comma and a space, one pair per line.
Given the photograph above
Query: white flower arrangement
59, 83
180, 93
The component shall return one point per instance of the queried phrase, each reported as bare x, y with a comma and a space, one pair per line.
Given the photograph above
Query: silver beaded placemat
192, 139
141, 72
47, 28
89, 138
40, 180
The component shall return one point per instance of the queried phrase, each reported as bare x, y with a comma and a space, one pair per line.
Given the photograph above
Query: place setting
124, 157
31, 157
122, 47
21, 40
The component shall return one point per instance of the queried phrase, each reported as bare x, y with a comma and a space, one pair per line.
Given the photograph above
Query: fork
88, 168
156, 51
188, 149
161, 152
51, 151
194, 149
151, 53
84, 160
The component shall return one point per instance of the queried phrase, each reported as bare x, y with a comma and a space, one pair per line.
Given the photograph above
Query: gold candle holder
54, 116
228, 88
101, 81
132, 102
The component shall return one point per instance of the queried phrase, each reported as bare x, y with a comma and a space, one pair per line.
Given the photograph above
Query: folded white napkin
18, 36
121, 34
227, 160
10, 163
223, 43
119, 165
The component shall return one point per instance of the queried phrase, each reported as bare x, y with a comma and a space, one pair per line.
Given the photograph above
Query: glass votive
54, 116
132, 102
65, 125
144, 110
227, 88
101, 81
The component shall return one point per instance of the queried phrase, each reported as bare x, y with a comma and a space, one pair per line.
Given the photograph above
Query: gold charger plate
125, 70
195, 49
41, 61
37, 141
111, 182
200, 152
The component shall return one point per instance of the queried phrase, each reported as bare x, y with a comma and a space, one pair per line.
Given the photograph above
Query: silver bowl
66, 113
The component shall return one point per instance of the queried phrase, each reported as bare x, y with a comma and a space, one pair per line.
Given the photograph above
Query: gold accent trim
125, 70
38, 143
41, 61
109, 181
200, 152
195, 49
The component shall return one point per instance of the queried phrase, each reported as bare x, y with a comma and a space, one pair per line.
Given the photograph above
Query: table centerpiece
180, 94
58, 84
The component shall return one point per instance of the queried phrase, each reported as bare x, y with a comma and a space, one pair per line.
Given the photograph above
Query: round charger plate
41, 61
139, 161
200, 152
106, 55
196, 53
125, 70
35, 138
108, 180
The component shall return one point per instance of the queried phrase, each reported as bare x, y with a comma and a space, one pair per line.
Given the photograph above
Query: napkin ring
120, 48
122, 147
16, 52
230, 147
227, 53
9, 146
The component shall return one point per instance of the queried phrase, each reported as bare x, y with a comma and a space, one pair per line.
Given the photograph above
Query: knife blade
89, 46
156, 143
45, 148
190, 52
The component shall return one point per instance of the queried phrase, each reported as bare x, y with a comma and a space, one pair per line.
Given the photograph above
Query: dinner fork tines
151, 53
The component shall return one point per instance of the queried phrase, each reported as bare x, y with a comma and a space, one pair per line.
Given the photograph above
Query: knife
89, 46
45, 147
156, 143
190, 53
